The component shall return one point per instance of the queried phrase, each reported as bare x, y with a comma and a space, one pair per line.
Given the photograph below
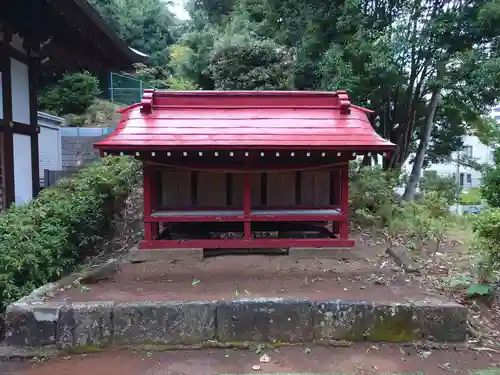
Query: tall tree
243, 62
387, 52
146, 25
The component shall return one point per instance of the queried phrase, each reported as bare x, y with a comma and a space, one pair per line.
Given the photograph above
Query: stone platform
198, 303
101, 324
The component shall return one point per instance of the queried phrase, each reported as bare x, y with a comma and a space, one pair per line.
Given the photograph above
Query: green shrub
375, 204
490, 190
471, 197
73, 93
487, 230
446, 187
372, 196
43, 239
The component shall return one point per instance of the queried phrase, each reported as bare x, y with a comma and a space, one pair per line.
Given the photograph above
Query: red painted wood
344, 201
240, 207
148, 189
244, 244
165, 120
243, 218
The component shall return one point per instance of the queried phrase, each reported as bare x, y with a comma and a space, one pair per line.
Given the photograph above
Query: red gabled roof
244, 119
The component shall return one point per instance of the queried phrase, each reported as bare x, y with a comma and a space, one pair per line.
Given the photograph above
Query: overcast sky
178, 9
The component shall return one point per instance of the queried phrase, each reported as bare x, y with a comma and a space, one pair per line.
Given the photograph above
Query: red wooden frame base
245, 243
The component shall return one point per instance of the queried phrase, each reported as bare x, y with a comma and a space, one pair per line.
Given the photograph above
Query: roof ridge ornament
344, 102
147, 101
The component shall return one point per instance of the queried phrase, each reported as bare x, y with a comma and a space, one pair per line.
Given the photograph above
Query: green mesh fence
126, 90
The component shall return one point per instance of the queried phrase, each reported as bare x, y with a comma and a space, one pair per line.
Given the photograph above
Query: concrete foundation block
153, 255
176, 323
31, 325
85, 324
264, 320
338, 253
442, 322
341, 320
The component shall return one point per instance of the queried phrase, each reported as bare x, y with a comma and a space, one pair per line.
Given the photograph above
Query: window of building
468, 151
469, 178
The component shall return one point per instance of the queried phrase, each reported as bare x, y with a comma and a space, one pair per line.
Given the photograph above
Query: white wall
480, 152
49, 143
20, 92
23, 177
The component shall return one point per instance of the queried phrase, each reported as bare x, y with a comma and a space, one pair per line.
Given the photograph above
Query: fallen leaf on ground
265, 359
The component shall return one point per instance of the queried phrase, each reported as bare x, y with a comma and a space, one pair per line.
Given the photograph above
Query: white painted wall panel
23, 183
20, 92
49, 148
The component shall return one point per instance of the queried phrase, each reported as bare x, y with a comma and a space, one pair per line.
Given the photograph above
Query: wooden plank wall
237, 189
281, 189
315, 188
176, 188
210, 189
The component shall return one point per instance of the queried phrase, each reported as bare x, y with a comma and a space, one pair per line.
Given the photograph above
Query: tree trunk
425, 136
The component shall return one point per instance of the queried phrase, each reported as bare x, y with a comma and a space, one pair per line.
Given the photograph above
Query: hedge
47, 237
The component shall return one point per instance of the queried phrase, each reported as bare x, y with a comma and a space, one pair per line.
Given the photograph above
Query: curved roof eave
133, 55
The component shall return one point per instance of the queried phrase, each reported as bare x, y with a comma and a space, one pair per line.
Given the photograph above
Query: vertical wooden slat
335, 186
315, 189
176, 189
307, 188
148, 187
238, 187
247, 205
212, 189
344, 200
321, 188
281, 189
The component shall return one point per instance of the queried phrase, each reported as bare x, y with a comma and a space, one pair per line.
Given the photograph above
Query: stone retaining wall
78, 151
101, 324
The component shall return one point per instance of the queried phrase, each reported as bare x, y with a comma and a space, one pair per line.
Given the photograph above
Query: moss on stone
393, 326
90, 348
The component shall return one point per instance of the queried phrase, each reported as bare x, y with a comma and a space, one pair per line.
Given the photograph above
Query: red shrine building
254, 169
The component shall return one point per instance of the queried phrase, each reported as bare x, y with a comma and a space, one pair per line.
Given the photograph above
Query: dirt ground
349, 275
359, 360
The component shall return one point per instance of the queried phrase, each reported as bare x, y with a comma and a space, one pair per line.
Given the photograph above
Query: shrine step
152, 255
87, 326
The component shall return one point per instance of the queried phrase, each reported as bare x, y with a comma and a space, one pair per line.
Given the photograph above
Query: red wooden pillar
149, 187
247, 206
344, 201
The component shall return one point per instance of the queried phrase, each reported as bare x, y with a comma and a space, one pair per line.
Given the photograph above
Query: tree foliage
146, 25
73, 93
389, 55
243, 62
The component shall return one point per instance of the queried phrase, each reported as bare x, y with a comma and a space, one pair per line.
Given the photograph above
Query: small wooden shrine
256, 169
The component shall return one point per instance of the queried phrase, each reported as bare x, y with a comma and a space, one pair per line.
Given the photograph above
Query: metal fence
50, 177
126, 90
85, 132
